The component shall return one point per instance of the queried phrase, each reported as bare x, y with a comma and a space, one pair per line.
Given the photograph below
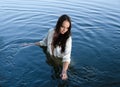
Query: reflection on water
95, 58
56, 66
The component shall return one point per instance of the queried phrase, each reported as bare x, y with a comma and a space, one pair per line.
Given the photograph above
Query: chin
62, 33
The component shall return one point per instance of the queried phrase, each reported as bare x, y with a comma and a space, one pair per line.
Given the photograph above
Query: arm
43, 42
37, 43
45, 39
66, 59
64, 71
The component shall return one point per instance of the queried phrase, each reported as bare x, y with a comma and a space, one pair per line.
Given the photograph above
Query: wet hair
58, 38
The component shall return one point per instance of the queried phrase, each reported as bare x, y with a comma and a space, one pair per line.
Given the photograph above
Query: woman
59, 42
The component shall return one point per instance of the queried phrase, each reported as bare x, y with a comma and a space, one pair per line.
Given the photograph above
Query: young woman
59, 43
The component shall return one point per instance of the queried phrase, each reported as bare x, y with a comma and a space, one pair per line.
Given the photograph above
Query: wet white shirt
57, 51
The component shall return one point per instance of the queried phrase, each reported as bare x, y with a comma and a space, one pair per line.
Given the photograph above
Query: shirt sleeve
44, 41
67, 54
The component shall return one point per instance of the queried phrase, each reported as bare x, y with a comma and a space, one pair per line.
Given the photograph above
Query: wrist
64, 71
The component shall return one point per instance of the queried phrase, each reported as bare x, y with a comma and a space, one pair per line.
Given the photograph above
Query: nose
64, 29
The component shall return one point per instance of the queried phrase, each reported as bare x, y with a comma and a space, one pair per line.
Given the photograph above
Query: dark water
96, 42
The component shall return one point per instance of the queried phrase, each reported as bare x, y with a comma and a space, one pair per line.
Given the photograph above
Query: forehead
66, 23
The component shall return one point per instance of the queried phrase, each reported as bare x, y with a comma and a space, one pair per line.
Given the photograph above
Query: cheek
61, 30
66, 30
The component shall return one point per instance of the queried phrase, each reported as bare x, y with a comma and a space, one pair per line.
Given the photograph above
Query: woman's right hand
37, 43
27, 44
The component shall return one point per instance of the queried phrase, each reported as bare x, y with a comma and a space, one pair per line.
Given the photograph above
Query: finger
64, 77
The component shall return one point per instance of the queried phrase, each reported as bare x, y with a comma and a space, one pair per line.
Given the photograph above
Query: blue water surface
95, 58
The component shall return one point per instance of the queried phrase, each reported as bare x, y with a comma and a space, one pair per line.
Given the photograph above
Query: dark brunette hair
60, 39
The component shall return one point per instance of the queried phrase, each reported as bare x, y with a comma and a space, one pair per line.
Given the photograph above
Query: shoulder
69, 39
51, 30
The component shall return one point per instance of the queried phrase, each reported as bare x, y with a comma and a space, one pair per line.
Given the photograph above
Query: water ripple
95, 32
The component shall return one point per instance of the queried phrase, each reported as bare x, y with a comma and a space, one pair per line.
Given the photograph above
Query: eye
62, 26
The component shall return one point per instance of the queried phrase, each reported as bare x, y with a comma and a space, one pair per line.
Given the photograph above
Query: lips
62, 32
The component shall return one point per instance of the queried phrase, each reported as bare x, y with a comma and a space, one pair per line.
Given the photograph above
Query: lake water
95, 58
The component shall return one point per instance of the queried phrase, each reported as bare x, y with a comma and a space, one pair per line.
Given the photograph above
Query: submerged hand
27, 44
64, 75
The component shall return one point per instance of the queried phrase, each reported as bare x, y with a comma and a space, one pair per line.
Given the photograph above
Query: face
65, 26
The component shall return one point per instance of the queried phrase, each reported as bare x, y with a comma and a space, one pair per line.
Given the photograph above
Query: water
96, 42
